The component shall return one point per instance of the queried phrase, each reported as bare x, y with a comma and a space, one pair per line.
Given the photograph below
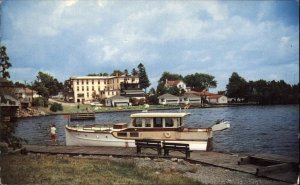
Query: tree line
262, 91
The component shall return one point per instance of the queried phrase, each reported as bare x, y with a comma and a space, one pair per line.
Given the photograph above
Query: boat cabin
157, 120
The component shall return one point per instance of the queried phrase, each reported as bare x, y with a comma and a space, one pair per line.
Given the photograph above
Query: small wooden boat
155, 126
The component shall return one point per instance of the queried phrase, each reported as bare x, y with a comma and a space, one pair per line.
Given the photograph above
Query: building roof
189, 95
215, 96
10, 101
136, 91
201, 93
159, 114
117, 97
100, 77
173, 82
167, 95
25, 90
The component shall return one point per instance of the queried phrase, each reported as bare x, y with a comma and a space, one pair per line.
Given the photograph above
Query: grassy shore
47, 169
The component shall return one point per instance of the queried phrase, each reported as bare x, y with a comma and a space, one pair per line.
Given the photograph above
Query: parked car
96, 104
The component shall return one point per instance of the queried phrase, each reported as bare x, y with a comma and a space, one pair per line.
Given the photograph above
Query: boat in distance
168, 127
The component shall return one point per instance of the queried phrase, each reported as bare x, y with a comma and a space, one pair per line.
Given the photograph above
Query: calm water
254, 129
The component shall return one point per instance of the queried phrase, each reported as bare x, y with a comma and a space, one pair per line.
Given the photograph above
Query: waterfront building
168, 99
84, 89
25, 96
216, 98
117, 101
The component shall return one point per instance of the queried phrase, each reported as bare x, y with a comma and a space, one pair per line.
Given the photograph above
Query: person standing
53, 134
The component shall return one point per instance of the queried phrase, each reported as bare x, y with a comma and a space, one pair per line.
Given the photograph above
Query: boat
164, 127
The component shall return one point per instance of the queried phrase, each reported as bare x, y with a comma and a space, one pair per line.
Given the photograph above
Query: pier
269, 166
83, 116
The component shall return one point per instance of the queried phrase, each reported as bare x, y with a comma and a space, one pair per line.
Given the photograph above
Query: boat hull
106, 138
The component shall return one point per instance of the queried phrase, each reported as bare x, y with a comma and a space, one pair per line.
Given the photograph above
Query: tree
200, 81
144, 81
4, 63
237, 86
126, 72
46, 85
117, 72
134, 72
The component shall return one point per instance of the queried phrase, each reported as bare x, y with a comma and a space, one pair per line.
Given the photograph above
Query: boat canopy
159, 115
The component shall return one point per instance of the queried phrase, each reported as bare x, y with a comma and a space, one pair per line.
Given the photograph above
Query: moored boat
156, 126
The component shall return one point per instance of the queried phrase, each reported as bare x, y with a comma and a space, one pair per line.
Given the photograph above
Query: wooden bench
145, 143
183, 148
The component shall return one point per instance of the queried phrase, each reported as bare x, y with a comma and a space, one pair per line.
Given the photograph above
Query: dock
269, 166
82, 116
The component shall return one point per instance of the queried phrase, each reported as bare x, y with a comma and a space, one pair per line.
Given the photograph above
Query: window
77, 82
93, 82
87, 88
87, 95
82, 88
82, 82
122, 134
93, 88
77, 88
132, 79
98, 81
157, 122
80, 95
134, 134
87, 82
169, 122
147, 122
137, 122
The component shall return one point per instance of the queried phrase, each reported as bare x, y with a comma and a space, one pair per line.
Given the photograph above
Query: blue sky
257, 39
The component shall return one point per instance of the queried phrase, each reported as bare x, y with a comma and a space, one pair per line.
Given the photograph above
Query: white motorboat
147, 125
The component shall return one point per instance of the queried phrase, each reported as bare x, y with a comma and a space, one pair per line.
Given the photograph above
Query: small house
217, 99
188, 98
117, 101
168, 99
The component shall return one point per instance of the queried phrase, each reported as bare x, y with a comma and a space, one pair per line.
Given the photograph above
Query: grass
71, 109
44, 169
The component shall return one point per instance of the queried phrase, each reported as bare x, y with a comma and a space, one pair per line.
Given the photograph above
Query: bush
56, 107
40, 101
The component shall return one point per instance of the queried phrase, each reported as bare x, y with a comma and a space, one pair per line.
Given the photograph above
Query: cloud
72, 37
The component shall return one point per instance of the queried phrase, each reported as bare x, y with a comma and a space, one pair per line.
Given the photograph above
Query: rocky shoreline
204, 174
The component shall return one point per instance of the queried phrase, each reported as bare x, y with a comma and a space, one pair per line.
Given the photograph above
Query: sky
256, 39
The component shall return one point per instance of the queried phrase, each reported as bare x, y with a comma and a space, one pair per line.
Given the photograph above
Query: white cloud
176, 36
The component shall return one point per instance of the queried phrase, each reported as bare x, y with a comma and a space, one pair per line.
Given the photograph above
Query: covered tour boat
150, 125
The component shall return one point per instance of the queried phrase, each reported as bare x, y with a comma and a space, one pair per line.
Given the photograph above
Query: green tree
4, 63
200, 81
237, 86
46, 85
134, 72
144, 81
117, 72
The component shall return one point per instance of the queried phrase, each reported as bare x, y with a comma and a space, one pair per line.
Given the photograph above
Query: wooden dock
289, 173
82, 116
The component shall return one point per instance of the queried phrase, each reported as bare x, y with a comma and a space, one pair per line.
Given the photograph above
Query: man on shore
53, 134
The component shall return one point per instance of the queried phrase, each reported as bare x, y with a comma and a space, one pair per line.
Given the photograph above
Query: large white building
88, 88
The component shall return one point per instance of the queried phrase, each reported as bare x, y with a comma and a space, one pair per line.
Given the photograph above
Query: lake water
254, 129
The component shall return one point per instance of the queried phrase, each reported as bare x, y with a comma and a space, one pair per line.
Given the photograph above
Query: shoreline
43, 114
